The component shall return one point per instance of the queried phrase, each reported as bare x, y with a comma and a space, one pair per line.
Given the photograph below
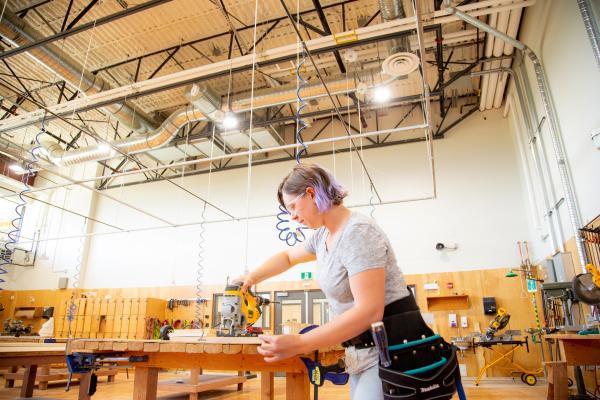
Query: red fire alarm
449, 285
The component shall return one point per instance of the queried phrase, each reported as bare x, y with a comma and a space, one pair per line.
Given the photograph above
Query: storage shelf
447, 303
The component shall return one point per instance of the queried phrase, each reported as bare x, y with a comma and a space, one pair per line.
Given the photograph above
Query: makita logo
429, 388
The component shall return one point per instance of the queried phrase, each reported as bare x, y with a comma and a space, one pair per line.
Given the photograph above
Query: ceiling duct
287, 94
205, 104
18, 33
206, 101
139, 143
391, 10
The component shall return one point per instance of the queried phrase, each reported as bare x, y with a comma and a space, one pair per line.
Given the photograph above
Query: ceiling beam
84, 27
212, 37
357, 37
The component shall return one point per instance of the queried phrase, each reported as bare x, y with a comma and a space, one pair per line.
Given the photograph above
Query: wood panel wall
509, 293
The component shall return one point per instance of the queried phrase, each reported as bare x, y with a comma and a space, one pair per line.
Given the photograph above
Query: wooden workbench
235, 354
578, 349
30, 355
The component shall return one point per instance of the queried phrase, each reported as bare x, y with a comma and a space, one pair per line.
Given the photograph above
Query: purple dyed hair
327, 191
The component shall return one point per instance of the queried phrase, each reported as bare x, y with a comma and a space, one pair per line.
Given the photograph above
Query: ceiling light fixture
17, 169
381, 94
230, 121
104, 148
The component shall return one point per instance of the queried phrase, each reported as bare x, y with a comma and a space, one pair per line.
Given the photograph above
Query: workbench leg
145, 383
297, 386
44, 370
11, 382
240, 385
557, 380
194, 380
28, 381
111, 378
267, 385
84, 386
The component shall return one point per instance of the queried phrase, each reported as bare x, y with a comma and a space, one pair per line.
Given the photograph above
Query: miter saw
239, 311
587, 286
497, 324
587, 289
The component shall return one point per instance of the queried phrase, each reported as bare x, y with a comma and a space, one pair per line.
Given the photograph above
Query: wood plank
105, 345
28, 381
120, 345
249, 349
84, 386
213, 348
91, 345
174, 347
137, 345
205, 382
145, 383
151, 347
7, 361
297, 386
232, 348
267, 385
581, 352
194, 348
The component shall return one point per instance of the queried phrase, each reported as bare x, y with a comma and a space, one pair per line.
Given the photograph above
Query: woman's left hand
279, 347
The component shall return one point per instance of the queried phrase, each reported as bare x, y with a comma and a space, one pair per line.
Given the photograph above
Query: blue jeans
366, 385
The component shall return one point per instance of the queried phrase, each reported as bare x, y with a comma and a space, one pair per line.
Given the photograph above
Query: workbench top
572, 336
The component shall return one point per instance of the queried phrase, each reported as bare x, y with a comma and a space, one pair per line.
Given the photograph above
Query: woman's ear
311, 192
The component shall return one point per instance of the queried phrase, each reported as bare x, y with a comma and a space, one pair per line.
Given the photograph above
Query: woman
356, 269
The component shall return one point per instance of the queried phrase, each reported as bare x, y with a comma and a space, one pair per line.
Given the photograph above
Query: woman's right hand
245, 280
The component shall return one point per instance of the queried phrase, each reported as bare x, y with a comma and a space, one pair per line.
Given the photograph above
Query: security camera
442, 246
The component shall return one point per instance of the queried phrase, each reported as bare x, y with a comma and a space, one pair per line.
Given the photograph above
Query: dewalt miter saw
239, 311
497, 324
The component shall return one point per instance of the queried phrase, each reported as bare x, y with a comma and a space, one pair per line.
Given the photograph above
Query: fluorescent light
230, 121
381, 94
17, 169
104, 148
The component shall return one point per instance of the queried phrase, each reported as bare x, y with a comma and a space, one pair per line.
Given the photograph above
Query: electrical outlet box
452, 320
63, 282
464, 322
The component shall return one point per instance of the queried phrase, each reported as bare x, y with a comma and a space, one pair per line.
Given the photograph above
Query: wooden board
205, 382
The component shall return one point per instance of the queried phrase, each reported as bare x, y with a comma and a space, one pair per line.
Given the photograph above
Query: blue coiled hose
283, 217
300, 123
199, 310
13, 235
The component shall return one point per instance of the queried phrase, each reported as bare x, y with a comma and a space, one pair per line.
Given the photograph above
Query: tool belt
405, 304
424, 366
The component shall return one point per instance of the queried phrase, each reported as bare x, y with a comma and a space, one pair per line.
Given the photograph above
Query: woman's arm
368, 288
277, 264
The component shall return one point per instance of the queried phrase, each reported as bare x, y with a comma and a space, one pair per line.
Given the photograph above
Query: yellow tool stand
527, 376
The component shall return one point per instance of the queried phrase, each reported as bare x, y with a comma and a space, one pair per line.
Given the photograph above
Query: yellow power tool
497, 324
239, 311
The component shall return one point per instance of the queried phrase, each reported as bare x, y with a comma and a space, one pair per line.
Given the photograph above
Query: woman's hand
245, 280
279, 347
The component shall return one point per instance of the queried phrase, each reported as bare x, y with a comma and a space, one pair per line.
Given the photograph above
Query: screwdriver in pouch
380, 339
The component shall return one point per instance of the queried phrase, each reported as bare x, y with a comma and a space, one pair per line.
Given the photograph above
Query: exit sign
305, 276
531, 286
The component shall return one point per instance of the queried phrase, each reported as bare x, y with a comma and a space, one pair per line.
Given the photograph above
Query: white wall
479, 206
555, 31
486, 197
55, 258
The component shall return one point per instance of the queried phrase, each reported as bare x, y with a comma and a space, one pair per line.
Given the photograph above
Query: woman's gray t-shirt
360, 246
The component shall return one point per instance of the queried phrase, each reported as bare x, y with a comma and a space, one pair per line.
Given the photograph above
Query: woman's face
303, 208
